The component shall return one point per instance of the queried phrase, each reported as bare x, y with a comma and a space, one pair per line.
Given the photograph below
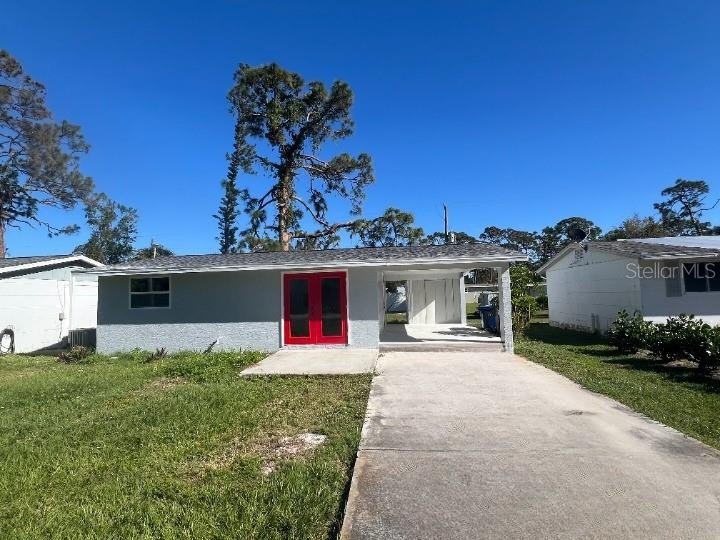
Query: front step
442, 346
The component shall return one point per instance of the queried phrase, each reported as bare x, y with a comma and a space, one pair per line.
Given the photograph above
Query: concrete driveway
489, 445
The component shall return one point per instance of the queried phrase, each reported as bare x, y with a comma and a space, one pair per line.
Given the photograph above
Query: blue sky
555, 108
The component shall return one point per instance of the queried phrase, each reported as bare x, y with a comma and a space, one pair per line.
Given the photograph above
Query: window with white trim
149, 292
701, 277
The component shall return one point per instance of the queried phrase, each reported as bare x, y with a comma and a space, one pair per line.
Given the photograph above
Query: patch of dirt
271, 453
681, 364
289, 447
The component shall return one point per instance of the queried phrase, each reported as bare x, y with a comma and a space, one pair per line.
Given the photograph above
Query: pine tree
227, 216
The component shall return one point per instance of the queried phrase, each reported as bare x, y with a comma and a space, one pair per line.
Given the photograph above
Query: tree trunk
283, 204
2, 239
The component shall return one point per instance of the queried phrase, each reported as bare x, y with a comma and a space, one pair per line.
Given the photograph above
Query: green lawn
117, 448
396, 318
674, 394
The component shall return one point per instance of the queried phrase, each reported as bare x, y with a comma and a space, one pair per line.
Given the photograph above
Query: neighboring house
265, 301
42, 299
589, 283
481, 294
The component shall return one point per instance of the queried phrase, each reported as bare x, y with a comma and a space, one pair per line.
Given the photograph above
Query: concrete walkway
489, 445
314, 361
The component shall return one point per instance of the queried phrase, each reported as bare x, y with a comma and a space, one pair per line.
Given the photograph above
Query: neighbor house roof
640, 249
329, 258
16, 265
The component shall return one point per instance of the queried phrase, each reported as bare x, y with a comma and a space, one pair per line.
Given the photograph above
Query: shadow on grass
559, 336
677, 373
597, 346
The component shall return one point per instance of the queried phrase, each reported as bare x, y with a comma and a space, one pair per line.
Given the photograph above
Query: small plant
630, 333
159, 354
75, 355
523, 308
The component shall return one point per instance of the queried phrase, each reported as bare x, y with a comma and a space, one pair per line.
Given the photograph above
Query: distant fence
85, 337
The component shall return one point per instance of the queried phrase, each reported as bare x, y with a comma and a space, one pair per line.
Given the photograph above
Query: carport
436, 306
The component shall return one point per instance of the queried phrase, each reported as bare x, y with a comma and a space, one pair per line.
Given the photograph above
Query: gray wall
363, 300
241, 309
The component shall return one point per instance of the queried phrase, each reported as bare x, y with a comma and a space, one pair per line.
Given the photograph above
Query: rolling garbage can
489, 318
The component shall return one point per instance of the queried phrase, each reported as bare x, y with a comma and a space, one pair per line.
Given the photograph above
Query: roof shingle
320, 258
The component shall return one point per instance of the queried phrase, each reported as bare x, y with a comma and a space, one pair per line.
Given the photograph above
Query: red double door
315, 307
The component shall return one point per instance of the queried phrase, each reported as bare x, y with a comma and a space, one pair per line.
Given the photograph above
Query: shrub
523, 309
75, 355
629, 333
685, 336
542, 302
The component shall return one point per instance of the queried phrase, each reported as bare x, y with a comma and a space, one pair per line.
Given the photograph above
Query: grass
396, 318
118, 448
675, 394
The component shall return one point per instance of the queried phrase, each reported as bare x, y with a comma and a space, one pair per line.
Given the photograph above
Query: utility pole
447, 239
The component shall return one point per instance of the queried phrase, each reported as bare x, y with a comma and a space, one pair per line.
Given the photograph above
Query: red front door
315, 308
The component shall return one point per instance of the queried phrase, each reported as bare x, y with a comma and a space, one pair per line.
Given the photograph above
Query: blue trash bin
489, 317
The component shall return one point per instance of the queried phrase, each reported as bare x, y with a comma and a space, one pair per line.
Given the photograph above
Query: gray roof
648, 250
640, 249
18, 261
383, 256
711, 242
18, 265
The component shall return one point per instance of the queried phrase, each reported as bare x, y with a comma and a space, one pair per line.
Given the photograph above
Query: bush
685, 336
75, 355
523, 309
630, 333
542, 302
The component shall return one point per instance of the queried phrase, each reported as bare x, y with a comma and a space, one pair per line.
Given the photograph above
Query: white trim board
467, 264
50, 262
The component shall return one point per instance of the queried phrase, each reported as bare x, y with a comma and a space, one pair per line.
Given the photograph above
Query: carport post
505, 308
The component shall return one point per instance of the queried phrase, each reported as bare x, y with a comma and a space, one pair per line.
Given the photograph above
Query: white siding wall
588, 293
83, 307
39, 310
658, 306
32, 308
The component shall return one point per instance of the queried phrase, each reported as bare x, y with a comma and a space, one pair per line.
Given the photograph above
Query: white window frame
131, 293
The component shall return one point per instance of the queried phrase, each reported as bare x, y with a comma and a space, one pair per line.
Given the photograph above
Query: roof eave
50, 262
127, 271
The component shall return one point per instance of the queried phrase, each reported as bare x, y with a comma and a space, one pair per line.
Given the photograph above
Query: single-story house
42, 298
269, 300
589, 283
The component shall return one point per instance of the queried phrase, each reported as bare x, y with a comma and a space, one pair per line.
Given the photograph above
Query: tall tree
524, 241
39, 157
153, 251
113, 229
438, 238
636, 227
681, 212
553, 239
227, 217
282, 124
394, 228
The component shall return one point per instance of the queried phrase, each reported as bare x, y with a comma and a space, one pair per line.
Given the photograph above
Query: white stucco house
589, 283
267, 301
42, 298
